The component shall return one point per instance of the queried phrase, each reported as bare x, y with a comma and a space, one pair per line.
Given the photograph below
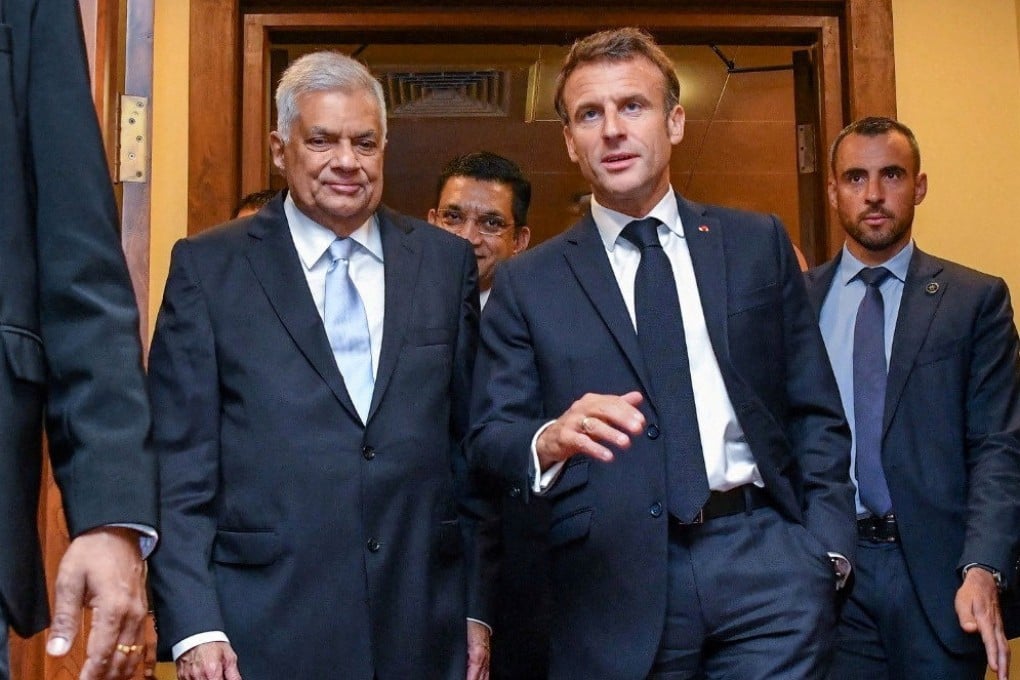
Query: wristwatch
996, 575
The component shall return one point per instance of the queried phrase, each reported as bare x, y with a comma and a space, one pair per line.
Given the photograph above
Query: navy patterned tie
660, 331
347, 327
870, 375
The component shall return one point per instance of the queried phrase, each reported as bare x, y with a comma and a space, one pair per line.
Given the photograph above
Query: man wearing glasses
484, 198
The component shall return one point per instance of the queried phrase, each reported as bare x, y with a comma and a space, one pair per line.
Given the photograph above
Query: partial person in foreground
484, 198
311, 368
656, 373
925, 352
69, 353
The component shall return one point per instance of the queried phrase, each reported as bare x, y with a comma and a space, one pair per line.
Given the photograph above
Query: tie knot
643, 233
873, 276
341, 248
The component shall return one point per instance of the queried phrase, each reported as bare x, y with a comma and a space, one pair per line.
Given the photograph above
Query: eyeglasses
488, 224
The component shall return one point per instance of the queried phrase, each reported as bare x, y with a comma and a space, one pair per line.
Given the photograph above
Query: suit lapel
704, 238
922, 293
586, 255
819, 280
402, 254
276, 265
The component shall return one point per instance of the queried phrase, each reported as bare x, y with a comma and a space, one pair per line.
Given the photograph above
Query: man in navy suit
671, 399
484, 198
939, 516
311, 370
70, 355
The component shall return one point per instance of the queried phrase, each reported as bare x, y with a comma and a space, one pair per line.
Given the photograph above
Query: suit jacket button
652, 432
515, 491
655, 509
373, 545
368, 452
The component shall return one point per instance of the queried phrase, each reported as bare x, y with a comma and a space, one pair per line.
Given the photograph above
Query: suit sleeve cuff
193, 641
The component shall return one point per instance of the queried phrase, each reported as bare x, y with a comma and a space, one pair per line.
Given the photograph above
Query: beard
893, 232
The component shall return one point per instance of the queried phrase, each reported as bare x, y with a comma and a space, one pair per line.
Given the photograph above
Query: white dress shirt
729, 462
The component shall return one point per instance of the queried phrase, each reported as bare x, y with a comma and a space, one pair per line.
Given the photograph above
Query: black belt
878, 529
733, 502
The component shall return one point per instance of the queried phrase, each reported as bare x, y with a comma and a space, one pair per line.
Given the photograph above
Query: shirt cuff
193, 641
481, 622
541, 481
147, 537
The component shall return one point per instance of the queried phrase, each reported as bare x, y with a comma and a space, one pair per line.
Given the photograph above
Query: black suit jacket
69, 342
951, 433
284, 515
556, 327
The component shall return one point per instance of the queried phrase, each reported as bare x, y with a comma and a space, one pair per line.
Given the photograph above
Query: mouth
618, 161
343, 188
875, 219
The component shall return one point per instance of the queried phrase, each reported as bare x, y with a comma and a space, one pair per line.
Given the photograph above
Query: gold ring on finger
586, 425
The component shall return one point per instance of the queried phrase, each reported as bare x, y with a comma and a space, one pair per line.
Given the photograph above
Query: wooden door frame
854, 39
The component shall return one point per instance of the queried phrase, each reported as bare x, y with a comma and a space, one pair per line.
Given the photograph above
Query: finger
231, 671
68, 600
120, 614
125, 659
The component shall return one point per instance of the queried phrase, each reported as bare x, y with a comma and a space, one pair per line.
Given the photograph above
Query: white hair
323, 72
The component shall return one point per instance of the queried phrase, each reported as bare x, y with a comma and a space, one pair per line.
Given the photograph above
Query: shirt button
515, 491
652, 432
368, 452
655, 509
373, 545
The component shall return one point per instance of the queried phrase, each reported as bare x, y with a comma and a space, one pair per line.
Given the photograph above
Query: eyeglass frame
469, 218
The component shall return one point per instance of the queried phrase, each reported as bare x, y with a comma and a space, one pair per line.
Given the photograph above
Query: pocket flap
24, 353
253, 548
570, 528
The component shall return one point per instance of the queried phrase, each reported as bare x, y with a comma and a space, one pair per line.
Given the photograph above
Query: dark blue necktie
660, 331
870, 376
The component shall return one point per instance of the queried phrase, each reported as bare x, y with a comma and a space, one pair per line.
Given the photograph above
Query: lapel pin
703, 228
932, 287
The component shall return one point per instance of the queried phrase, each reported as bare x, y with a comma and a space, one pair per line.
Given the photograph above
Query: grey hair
323, 72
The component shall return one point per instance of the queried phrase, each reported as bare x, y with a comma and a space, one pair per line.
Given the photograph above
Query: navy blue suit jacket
69, 343
951, 433
556, 327
284, 515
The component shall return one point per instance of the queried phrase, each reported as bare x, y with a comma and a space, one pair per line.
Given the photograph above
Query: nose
472, 233
344, 158
611, 123
873, 191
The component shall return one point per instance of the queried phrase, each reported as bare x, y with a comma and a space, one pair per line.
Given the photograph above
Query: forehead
614, 78
338, 111
880, 151
476, 194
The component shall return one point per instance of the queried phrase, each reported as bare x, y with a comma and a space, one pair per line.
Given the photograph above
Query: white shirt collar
312, 240
610, 223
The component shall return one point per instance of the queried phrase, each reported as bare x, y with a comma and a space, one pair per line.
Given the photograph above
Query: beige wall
958, 87
169, 141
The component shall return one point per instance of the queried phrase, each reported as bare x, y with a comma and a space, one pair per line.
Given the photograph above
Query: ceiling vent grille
446, 93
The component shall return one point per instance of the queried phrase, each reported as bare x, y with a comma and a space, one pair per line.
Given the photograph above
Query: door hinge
133, 154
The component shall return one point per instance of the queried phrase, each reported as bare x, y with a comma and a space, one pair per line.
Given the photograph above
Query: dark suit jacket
69, 341
284, 516
951, 436
556, 327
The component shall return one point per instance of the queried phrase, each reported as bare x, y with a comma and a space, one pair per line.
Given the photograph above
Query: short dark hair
873, 126
255, 200
486, 166
618, 44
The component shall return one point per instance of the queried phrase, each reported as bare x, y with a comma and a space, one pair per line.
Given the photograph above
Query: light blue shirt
837, 319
